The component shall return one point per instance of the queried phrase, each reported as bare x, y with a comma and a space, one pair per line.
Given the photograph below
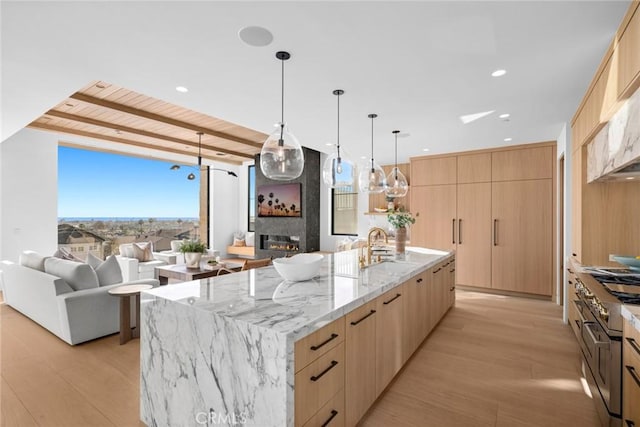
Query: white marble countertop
632, 314
262, 298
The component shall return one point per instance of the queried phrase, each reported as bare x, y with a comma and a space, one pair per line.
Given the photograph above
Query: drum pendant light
281, 157
371, 178
338, 170
397, 185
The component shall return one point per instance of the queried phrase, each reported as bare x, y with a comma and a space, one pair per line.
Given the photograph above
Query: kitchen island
233, 350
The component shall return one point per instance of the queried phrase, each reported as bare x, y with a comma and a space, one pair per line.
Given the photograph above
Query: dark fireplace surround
282, 236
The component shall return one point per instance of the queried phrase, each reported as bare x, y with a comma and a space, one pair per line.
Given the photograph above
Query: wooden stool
125, 292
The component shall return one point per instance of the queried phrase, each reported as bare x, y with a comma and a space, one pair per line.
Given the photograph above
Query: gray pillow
77, 275
33, 260
108, 271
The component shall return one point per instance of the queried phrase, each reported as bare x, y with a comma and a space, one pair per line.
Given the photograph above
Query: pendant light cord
372, 168
199, 148
281, 140
338, 144
396, 171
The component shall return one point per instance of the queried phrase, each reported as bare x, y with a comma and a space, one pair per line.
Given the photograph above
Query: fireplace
271, 242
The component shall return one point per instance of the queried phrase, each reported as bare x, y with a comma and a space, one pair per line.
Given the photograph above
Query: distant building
80, 242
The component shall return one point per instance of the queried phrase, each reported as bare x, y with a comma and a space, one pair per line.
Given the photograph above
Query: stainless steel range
598, 326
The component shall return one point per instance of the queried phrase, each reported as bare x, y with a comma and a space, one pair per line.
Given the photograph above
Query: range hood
614, 153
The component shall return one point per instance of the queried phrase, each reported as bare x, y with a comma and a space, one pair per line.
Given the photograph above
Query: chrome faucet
374, 232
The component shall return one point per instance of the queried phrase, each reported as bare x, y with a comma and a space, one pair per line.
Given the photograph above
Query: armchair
178, 257
134, 269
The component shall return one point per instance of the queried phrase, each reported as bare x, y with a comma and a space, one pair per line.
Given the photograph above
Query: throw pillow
176, 245
33, 260
142, 251
108, 271
239, 242
250, 238
77, 275
126, 250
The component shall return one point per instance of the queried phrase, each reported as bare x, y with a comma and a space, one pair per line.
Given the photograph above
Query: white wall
29, 193
226, 196
564, 148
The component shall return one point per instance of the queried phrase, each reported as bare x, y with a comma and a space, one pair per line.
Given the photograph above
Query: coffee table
182, 273
125, 293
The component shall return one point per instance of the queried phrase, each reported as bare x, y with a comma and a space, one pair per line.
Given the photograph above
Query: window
344, 210
251, 220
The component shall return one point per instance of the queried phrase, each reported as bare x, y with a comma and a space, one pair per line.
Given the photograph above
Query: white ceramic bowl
299, 267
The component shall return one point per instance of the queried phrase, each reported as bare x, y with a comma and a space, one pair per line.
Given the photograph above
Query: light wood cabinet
473, 234
451, 283
316, 344
318, 382
522, 236
628, 56
360, 355
572, 302
435, 224
631, 376
434, 171
416, 314
577, 178
523, 163
389, 336
439, 302
474, 168
331, 414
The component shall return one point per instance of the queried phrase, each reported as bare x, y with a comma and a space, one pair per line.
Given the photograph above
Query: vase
192, 259
401, 239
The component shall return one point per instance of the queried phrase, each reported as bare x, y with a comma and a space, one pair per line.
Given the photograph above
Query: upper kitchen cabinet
474, 168
436, 171
527, 163
628, 56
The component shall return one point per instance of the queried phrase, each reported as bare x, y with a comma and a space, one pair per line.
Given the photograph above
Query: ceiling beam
61, 129
160, 118
109, 125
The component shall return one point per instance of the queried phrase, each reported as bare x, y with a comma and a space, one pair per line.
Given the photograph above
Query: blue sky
96, 184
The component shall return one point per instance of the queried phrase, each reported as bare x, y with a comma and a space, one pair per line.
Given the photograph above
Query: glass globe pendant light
371, 178
397, 185
338, 170
281, 157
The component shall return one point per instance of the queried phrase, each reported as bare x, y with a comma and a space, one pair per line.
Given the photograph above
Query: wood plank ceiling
108, 112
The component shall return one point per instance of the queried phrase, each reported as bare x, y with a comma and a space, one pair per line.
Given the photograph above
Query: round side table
125, 292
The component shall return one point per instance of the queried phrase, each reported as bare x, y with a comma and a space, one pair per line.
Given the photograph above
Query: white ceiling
418, 65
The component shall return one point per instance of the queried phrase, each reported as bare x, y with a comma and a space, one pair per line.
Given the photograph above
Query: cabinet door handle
634, 345
459, 231
634, 374
570, 282
495, 232
437, 270
333, 415
453, 231
327, 369
419, 280
574, 254
453, 288
331, 338
371, 313
392, 299
630, 423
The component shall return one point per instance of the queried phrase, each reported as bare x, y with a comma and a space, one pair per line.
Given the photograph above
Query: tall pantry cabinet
495, 209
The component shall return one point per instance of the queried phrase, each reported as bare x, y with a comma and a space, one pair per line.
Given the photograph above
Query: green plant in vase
400, 220
193, 250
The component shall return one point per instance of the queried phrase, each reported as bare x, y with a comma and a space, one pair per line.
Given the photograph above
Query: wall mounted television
279, 200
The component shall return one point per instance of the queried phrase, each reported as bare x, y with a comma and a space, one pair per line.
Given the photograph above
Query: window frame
333, 210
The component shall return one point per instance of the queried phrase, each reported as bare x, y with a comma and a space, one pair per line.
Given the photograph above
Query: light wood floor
493, 360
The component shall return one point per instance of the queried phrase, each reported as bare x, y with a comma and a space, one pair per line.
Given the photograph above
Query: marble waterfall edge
225, 378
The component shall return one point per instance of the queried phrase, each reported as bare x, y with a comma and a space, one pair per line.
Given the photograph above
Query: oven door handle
579, 304
587, 326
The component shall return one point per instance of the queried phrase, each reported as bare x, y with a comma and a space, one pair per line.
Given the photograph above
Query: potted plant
400, 220
193, 250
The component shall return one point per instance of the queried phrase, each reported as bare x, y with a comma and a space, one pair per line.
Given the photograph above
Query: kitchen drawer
631, 376
631, 341
316, 384
573, 317
331, 414
318, 343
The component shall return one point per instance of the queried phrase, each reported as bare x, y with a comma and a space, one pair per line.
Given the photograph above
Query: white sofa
74, 316
132, 269
179, 256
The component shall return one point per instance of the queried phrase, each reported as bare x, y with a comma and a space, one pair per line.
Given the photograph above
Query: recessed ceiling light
255, 36
507, 139
425, 149
182, 89
68, 104
630, 177
364, 157
498, 73
475, 116
329, 144
504, 116
220, 154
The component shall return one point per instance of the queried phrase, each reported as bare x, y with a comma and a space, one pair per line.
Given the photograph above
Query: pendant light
371, 178
338, 170
281, 157
397, 185
191, 175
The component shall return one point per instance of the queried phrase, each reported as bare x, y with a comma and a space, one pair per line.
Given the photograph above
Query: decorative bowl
299, 267
632, 262
380, 210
